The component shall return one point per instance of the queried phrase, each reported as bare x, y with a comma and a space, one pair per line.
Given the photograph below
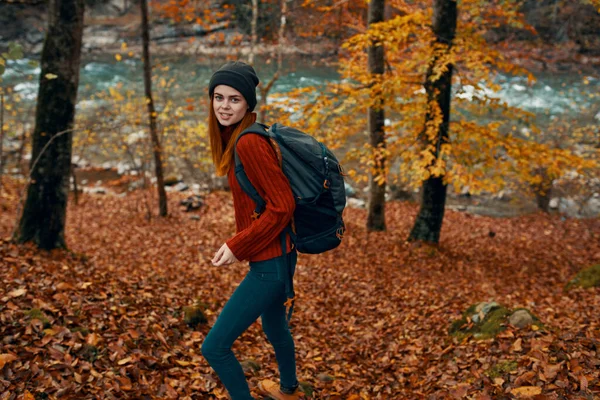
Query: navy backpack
316, 179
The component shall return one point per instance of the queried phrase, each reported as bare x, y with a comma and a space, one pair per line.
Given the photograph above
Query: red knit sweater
258, 240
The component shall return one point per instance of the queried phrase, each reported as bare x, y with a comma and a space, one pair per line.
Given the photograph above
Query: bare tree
253, 31
264, 90
156, 147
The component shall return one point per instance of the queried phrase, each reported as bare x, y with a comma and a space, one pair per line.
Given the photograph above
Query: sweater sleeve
262, 168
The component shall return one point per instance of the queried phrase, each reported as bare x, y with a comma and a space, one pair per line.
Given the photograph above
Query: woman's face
229, 105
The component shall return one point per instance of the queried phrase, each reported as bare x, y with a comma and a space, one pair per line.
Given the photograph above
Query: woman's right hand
224, 256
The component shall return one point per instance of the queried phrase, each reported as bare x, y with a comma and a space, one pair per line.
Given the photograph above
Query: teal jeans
262, 294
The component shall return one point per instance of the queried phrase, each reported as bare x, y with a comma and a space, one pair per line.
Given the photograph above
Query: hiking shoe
272, 389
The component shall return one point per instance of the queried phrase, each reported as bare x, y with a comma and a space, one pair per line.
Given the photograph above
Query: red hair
223, 157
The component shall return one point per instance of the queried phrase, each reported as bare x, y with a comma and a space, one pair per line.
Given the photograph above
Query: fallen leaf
124, 361
6, 358
93, 339
17, 292
527, 377
161, 338
28, 396
124, 383
459, 391
516, 347
64, 286
526, 391
550, 371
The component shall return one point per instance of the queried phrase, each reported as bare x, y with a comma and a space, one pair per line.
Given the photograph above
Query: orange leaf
124, 383
93, 339
28, 396
124, 361
161, 338
527, 377
516, 347
64, 286
526, 391
6, 358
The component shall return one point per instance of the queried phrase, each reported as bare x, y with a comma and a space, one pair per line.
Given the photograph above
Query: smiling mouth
225, 115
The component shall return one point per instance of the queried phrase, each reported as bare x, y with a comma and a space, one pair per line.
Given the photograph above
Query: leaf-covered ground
105, 319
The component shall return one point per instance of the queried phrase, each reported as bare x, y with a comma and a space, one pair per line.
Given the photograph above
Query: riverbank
506, 204
110, 25
110, 30
218, 41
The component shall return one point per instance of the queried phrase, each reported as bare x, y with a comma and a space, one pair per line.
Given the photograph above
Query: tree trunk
75, 187
264, 90
376, 119
156, 148
543, 200
543, 190
2, 157
44, 215
428, 223
281, 34
253, 28
20, 151
338, 33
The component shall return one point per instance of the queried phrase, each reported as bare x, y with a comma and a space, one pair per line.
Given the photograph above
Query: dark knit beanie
239, 76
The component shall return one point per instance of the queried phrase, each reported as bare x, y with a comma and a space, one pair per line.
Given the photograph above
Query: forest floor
106, 318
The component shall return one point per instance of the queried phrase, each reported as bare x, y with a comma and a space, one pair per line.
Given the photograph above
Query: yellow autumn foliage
115, 128
491, 145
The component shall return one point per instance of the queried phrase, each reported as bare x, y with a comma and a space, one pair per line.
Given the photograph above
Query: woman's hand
223, 257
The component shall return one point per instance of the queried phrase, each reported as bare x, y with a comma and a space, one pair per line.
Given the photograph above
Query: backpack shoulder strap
257, 128
240, 173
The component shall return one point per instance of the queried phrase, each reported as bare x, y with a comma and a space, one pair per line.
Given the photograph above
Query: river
553, 94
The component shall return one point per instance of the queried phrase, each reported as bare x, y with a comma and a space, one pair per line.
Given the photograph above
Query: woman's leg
276, 328
246, 304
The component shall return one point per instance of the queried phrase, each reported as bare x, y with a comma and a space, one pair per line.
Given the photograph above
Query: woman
232, 90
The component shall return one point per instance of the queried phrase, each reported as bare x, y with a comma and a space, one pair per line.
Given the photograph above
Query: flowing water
556, 94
